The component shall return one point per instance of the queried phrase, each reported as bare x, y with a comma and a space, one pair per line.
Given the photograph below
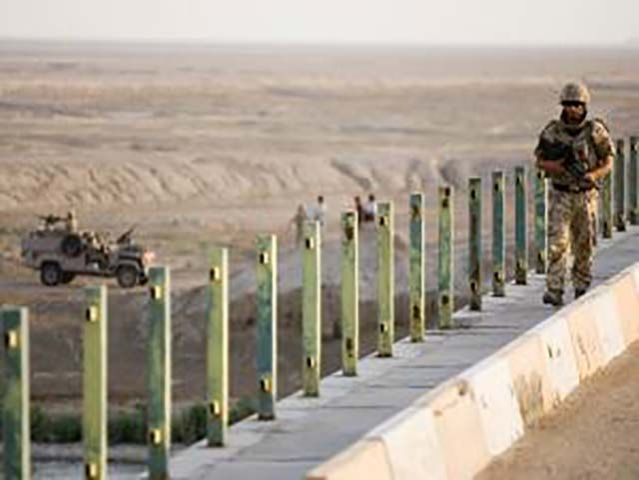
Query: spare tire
71, 245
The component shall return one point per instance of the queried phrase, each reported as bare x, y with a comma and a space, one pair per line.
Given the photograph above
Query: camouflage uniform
572, 218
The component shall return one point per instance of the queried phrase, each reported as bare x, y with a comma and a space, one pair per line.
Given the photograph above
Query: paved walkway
309, 431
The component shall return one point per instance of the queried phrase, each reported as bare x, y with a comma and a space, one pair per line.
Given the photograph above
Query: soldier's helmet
575, 92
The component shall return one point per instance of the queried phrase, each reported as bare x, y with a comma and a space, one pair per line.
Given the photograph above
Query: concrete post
474, 242
159, 373
521, 251
15, 402
217, 350
606, 205
446, 253
312, 309
541, 220
633, 180
94, 413
350, 293
620, 187
499, 234
416, 270
385, 279
267, 325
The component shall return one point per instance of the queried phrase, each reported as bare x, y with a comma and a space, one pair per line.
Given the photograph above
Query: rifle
570, 155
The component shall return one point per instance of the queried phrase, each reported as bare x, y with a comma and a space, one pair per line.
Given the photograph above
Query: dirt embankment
593, 434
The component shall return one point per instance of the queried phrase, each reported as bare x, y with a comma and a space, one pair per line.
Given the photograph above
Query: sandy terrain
594, 434
202, 145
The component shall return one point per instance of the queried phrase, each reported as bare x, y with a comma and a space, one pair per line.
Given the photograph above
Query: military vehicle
61, 252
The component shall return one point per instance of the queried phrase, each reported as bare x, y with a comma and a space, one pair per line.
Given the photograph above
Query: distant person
359, 208
318, 212
369, 210
576, 153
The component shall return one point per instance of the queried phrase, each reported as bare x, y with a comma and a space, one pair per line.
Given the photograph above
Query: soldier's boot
579, 292
553, 297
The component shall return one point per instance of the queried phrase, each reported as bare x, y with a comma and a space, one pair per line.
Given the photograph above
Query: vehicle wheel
50, 274
67, 277
127, 276
71, 245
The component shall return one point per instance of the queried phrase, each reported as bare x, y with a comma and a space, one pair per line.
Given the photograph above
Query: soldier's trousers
572, 223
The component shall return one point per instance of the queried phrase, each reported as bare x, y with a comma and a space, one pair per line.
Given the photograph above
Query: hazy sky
358, 21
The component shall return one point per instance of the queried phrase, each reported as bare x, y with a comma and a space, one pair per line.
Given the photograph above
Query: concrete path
309, 431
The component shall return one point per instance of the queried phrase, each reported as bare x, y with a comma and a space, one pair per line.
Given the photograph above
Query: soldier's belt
571, 189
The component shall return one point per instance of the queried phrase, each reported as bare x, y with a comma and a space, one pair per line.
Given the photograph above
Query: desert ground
592, 435
201, 145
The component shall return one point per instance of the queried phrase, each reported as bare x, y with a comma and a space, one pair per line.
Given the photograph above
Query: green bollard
94, 414
606, 205
267, 325
416, 271
445, 283
217, 350
499, 234
15, 412
159, 373
385, 279
521, 254
350, 293
312, 309
633, 179
620, 187
541, 220
474, 243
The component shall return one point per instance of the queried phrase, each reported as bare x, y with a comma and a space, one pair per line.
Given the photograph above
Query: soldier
576, 153
71, 221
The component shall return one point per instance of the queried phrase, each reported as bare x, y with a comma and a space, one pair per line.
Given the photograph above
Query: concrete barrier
453, 431
559, 357
625, 294
365, 459
531, 379
412, 445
